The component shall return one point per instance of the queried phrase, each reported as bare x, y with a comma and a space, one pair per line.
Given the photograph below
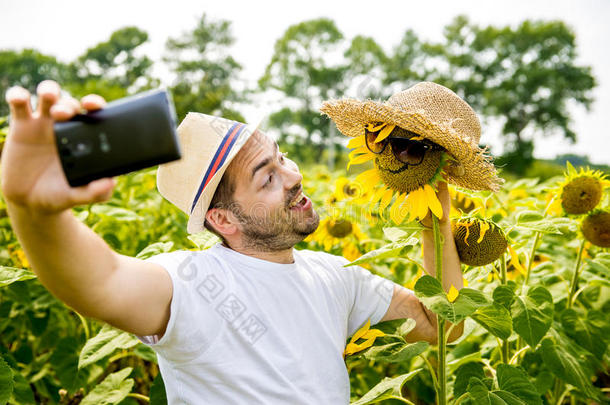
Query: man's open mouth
300, 202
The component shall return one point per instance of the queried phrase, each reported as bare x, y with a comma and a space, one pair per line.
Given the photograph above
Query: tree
367, 67
525, 76
26, 68
204, 72
302, 70
113, 68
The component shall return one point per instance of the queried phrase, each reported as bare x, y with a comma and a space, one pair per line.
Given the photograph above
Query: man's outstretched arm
70, 260
405, 305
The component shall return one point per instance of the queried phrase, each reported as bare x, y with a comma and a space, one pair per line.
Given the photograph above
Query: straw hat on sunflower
417, 137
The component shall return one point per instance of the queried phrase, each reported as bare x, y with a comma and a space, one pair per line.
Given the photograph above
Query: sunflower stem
530, 262
505, 350
531, 259
442, 343
574, 282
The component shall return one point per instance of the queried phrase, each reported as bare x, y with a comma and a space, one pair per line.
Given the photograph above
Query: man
248, 321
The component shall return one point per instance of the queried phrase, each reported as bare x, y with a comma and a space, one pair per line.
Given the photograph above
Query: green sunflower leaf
386, 389
565, 365
9, 275
496, 319
112, 390
104, 343
399, 248
431, 294
533, 314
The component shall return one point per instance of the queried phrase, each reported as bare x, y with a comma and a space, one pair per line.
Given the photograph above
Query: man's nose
292, 175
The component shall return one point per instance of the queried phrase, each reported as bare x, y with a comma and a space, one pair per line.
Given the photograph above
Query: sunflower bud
478, 242
596, 228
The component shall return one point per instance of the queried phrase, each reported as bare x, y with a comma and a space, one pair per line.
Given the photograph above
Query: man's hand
31, 172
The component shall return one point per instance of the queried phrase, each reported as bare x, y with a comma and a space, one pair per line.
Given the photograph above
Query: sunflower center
596, 228
581, 195
339, 228
402, 177
478, 242
350, 190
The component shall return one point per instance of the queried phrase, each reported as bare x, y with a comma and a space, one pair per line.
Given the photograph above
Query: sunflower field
536, 316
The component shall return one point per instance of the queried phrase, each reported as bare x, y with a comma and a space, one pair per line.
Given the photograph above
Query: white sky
67, 28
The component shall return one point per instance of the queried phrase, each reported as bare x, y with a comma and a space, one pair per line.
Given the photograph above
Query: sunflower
478, 241
596, 228
582, 190
408, 191
463, 202
338, 231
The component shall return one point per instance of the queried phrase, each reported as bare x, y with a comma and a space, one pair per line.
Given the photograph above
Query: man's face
273, 213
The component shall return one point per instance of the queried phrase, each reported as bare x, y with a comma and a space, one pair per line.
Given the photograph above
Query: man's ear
222, 221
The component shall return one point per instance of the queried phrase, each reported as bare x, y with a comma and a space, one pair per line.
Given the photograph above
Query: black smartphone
128, 134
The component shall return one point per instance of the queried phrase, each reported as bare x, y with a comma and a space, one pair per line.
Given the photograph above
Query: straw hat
208, 144
434, 112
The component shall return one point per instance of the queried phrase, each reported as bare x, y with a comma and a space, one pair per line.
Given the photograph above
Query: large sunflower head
478, 241
398, 175
338, 232
596, 228
582, 190
406, 169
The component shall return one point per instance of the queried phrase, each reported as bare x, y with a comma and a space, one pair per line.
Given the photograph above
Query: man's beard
278, 230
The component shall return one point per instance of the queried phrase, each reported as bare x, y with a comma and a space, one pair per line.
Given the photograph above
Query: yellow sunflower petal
385, 132
514, 260
466, 225
360, 151
376, 196
360, 332
484, 227
433, 202
368, 179
373, 333
396, 213
453, 293
352, 348
356, 142
360, 159
385, 199
371, 127
412, 203
424, 203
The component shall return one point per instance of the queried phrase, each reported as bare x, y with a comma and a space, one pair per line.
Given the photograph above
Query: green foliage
112, 390
533, 314
524, 75
113, 68
430, 292
302, 71
26, 68
103, 344
204, 71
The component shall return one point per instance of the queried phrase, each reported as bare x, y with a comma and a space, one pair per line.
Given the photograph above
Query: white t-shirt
248, 331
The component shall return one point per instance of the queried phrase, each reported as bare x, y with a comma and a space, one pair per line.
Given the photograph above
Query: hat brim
351, 116
196, 219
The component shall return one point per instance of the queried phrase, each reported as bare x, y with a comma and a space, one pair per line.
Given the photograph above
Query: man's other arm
406, 305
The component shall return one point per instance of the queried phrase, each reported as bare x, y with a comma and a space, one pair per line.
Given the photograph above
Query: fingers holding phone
31, 173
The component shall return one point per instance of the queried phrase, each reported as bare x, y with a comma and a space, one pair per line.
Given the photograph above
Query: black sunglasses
405, 150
